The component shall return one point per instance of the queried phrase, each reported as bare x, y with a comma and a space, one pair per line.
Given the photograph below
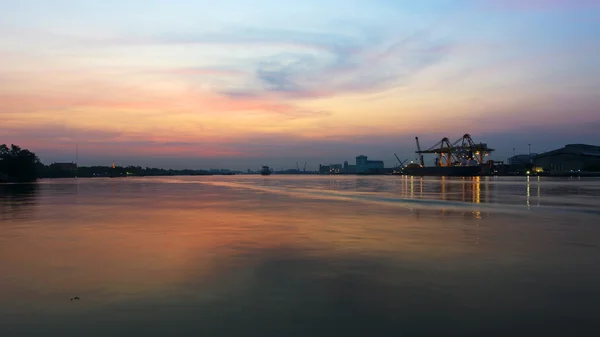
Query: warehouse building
572, 157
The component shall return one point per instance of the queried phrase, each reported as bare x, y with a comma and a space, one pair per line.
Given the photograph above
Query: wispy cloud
366, 67
301, 63
542, 5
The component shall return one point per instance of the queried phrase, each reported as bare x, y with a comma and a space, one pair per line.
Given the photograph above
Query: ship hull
448, 171
265, 171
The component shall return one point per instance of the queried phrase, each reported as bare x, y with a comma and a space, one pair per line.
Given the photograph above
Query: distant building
324, 169
64, 166
521, 159
364, 165
222, 171
349, 168
572, 157
331, 169
520, 163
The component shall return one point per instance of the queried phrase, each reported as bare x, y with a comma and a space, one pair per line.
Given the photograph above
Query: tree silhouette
17, 165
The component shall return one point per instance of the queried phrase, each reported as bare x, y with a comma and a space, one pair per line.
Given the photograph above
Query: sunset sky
239, 84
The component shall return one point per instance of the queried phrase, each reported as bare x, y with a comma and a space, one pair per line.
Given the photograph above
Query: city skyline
188, 84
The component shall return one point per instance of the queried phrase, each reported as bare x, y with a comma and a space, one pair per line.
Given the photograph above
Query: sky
239, 84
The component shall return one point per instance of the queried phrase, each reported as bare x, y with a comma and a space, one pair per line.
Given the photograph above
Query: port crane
401, 163
298, 167
459, 153
421, 161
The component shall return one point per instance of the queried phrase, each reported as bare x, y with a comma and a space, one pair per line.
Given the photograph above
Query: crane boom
419, 152
399, 161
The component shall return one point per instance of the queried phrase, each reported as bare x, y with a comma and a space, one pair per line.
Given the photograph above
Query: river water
300, 256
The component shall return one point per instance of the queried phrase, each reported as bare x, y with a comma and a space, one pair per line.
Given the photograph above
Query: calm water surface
300, 256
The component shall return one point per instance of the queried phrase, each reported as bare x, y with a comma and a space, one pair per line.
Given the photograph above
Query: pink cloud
41, 119
12, 103
203, 71
61, 140
157, 149
151, 101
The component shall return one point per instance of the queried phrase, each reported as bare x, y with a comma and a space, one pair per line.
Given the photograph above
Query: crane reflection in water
470, 190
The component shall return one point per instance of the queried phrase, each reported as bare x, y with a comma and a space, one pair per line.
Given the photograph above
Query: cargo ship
448, 171
265, 171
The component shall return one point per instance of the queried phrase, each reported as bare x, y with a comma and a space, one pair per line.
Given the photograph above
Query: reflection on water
460, 189
298, 256
17, 200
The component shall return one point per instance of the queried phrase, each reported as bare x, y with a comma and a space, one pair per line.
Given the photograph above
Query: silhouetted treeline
22, 165
17, 165
55, 171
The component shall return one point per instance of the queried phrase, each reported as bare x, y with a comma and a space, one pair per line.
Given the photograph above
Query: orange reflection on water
113, 241
465, 189
477, 188
125, 242
139, 245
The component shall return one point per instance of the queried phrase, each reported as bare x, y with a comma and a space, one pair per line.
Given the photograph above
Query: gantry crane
461, 152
